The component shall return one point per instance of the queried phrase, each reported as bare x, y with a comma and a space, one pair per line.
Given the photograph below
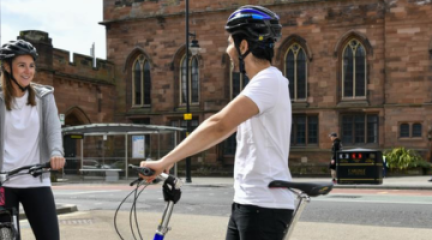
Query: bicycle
172, 193
9, 230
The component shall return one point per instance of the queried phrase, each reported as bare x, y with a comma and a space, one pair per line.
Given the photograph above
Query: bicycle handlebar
171, 193
34, 170
149, 172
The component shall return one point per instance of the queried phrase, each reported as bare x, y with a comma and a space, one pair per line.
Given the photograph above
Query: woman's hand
57, 162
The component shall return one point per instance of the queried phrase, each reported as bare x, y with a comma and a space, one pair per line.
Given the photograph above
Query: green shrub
402, 158
420, 164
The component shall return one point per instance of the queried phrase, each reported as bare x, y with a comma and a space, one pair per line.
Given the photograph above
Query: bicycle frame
303, 191
172, 193
303, 200
171, 196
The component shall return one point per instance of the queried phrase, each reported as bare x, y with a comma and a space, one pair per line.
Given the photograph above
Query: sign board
138, 146
75, 135
187, 116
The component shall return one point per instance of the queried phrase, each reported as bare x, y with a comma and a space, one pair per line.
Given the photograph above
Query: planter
408, 172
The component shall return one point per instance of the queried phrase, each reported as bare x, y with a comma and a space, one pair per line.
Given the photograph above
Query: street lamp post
194, 48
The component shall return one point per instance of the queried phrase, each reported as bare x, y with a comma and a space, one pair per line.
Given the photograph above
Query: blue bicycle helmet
257, 23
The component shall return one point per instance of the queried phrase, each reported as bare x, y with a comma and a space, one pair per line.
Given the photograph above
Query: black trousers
248, 222
39, 207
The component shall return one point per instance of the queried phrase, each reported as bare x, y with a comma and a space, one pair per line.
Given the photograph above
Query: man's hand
57, 162
332, 161
157, 166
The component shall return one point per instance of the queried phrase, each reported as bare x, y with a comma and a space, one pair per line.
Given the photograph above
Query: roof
119, 128
360, 150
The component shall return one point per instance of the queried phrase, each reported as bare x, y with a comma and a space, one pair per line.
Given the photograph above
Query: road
392, 208
344, 211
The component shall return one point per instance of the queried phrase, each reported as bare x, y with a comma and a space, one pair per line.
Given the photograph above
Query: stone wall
83, 92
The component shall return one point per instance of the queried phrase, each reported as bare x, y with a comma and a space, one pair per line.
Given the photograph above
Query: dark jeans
39, 207
248, 222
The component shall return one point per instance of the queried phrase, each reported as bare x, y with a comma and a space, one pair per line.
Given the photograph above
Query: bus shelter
120, 129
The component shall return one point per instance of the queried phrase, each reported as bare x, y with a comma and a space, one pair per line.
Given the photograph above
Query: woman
30, 133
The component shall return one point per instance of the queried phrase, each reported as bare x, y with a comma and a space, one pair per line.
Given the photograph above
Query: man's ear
244, 46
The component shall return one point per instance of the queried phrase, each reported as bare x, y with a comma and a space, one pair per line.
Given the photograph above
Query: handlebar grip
46, 165
145, 171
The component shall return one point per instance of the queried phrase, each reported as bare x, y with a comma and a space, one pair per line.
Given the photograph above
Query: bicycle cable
116, 212
137, 194
135, 190
133, 209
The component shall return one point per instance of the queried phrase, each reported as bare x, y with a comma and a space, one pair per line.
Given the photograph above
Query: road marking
87, 192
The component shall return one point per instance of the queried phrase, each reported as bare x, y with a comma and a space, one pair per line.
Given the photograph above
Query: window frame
242, 83
410, 130
295, 81
142, 61
179, 122
403, 131
354, 130
189, 79
293, 140
346, 46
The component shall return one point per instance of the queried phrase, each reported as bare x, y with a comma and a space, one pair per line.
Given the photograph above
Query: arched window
193, 79
141, 82
404, 130
296, 72
417, 130
237, 83
354, 70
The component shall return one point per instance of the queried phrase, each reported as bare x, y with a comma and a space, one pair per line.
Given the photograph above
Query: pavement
98, 224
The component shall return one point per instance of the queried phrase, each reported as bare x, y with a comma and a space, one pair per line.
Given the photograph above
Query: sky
73, 25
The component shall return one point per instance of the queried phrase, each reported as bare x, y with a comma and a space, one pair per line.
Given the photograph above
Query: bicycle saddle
311, 189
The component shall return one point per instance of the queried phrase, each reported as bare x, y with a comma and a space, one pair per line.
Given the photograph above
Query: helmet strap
241, 59
15, 81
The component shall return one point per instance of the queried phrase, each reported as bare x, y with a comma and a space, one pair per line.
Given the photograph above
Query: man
261, 115
337, 146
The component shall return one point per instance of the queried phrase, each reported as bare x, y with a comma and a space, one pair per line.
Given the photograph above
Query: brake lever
39, 169
37, 172
136, 181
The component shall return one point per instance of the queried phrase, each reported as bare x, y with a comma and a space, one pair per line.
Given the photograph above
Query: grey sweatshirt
50, 136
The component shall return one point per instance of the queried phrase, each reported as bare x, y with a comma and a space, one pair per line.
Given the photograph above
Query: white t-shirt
22, 127
263, 143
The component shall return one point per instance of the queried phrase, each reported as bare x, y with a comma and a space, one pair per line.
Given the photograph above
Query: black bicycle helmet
257, 25
14, 48
256, 22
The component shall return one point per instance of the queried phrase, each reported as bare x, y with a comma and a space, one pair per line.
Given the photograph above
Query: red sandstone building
359, 68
